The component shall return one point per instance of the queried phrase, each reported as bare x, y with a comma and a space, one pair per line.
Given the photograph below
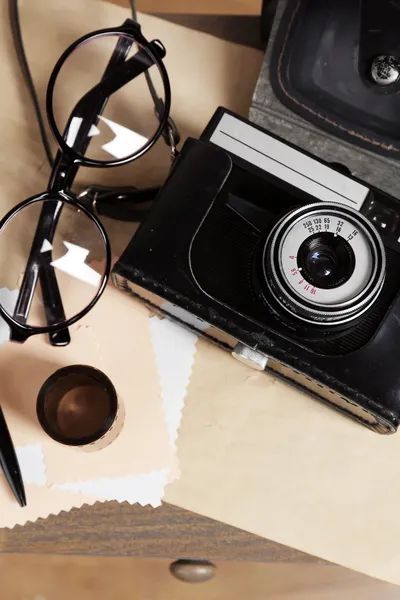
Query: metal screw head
385, 70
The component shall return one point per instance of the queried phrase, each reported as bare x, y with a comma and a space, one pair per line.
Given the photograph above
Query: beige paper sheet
114, 337
258, 454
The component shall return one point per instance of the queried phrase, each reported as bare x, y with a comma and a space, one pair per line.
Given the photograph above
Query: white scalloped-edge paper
142, 489
175, 349
32, 464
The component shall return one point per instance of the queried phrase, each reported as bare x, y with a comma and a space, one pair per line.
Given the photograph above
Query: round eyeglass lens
53, 263
103, 99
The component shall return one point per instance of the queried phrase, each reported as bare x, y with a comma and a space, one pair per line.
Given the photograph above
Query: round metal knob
385, 70
192, 571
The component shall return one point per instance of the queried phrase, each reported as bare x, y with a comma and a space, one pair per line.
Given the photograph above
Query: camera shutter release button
251, 358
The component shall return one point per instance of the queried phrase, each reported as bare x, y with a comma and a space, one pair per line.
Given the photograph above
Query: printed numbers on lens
299, 280
352, 235
309, 226
317, 224
339, 226
309, 288
327, 223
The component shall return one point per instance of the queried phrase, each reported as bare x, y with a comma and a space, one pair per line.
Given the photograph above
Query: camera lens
324, 263
326, 260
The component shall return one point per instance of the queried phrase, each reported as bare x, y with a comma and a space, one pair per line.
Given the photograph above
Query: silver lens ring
324, 263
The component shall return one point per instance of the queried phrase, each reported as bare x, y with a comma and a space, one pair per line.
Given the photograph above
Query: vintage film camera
283, 260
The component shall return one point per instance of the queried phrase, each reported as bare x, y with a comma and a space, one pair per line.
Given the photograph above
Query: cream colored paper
258, 454
143, 444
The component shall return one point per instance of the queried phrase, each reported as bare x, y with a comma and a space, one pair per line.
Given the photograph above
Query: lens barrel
324, 263
326, 260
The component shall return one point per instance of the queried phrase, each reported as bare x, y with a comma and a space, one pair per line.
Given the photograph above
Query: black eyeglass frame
152, 49
66, 166
20, 331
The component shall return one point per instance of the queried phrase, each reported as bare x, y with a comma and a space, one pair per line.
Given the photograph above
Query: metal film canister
79, 406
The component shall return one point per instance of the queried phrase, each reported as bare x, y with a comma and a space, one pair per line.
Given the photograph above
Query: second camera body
283, 260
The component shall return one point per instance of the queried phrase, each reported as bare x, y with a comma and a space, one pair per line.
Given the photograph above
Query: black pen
9, 462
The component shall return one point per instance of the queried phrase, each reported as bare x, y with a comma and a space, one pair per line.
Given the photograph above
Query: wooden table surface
207, 7
112, 529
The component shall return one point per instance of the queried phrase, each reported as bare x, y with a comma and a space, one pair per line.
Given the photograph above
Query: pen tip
21, 500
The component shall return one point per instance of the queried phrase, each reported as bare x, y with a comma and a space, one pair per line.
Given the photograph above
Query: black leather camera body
285, 261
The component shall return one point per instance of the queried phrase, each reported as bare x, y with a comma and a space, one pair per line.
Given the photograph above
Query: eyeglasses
104, 109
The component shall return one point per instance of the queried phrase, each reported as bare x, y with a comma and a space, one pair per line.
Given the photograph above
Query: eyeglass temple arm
89, 114
51, 295
118, 73
135, 66
92, 104
48, 220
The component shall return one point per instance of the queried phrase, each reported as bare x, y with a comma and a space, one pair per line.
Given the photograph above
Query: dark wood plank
208, 7
244, 30
112, 529
40, 576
